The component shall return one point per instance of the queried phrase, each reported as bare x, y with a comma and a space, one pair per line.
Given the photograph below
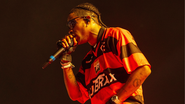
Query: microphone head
59, 44
68, 50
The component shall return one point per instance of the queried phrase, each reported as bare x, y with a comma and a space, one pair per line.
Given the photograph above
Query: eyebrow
73, 19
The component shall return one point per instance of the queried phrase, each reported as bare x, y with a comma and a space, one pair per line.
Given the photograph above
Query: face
78, 28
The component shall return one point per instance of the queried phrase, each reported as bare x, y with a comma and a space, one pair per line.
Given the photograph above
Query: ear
87, 19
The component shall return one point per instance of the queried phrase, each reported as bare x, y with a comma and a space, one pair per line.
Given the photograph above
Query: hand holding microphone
66, 59
65, 46
68, 41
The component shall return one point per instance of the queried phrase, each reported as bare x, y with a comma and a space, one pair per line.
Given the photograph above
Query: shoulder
117, 29
118, 32
122, 35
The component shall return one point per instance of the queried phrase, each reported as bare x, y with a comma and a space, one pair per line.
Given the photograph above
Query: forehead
71, 16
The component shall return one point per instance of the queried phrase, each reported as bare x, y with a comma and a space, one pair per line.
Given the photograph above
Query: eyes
71, 24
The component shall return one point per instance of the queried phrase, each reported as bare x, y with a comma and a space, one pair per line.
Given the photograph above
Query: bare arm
134, 82
69, 77
71, 84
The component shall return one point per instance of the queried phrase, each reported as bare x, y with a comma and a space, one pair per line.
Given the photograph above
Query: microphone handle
53, 57
57, 54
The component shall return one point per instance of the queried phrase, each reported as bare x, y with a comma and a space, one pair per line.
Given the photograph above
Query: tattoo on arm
136, 82
70, 76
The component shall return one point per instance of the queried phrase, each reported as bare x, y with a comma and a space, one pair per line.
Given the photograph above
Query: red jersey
107, 66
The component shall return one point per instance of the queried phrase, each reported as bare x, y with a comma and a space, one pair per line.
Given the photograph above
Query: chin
81, 42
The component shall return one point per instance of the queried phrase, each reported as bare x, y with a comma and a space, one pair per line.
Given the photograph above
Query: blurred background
29, 30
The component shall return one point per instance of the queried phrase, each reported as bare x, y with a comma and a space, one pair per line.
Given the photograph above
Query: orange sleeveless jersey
107, 66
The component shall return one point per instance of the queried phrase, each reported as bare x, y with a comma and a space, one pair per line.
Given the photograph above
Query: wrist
67, 65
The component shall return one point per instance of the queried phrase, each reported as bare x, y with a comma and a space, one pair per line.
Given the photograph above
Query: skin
87, 32
83, 32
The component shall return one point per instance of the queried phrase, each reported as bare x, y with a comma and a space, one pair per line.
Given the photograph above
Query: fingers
75, 41
67, 41
64, 43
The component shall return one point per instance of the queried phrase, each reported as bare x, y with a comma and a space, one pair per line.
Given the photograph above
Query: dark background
30, 28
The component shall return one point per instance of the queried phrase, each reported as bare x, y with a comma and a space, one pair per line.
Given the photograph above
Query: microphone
60, 52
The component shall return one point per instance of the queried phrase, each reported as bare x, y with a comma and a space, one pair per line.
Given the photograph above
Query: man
114, 69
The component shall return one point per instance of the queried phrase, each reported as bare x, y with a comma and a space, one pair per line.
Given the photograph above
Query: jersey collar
100, 34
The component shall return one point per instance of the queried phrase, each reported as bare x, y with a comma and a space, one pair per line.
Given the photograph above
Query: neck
93, 35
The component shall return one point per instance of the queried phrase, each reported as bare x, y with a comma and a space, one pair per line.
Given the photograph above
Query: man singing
113, 71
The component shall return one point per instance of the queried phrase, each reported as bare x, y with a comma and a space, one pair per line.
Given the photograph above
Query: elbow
77, 98
147, 71
74, 97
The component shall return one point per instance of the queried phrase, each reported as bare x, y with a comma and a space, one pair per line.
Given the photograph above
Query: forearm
71, 84
134, 82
